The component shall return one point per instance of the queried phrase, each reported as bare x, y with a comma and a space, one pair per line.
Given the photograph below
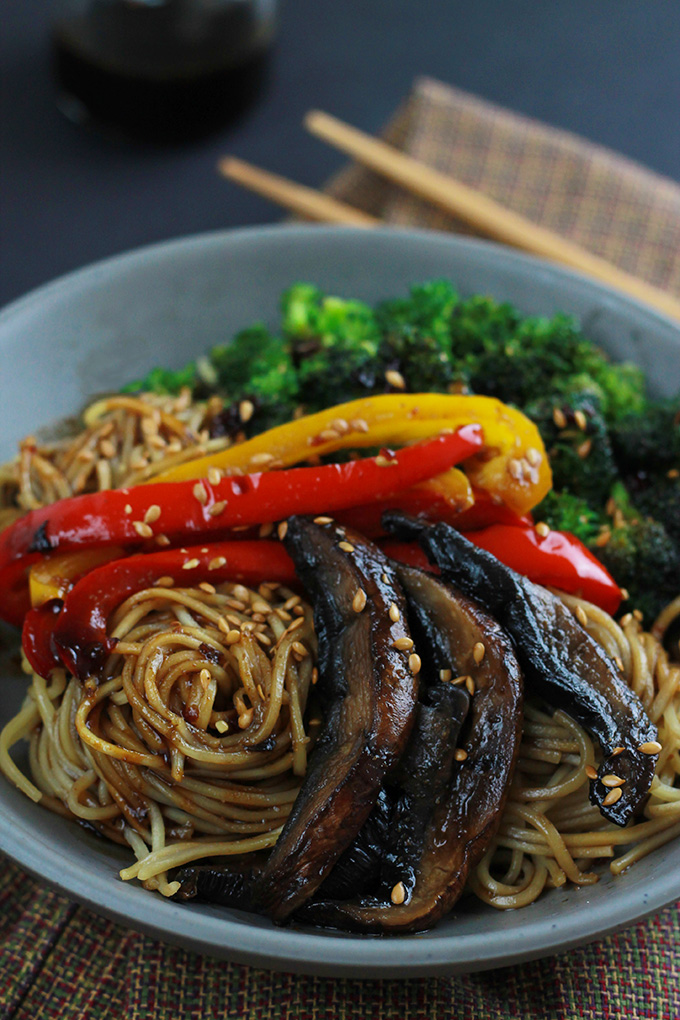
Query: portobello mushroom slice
561, 662
229, 884
368, 684
450, 798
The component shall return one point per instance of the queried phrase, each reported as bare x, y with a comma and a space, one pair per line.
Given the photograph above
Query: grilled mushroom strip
560, 660
229, 884
369, 685
451, 797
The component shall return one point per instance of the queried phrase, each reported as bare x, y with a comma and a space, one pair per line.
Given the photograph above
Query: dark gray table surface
608, 70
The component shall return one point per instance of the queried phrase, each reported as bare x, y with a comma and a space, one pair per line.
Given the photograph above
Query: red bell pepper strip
556, 560
190, 510
77, 636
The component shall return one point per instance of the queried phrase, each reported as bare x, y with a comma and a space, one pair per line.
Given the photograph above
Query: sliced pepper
74, 634
513, 466
184, 510
52, 577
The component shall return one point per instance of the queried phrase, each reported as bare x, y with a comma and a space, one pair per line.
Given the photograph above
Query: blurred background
70, 194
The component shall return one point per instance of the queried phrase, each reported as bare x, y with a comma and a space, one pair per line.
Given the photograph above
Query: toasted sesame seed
414, 663
515, 468
214, 475
162, 540
315, 676
346, 546
86, 456
618, 661
403, 644
581, 420
261, 458
190, 564
673, 473
208, 588
637, 615
382, 461
236, 604
164, 582
584, 449
559, 418
581, 615
445, 675
139, 463
323, 520
460, 754
295, 624
612, 797
328, 435
625, 594
384, 578
359, 425
340, 425
265, 530
152, 514
394, 613
260, 691
612, 780
263, 639
470, 684
626, 619
534, 456
127, 508
603, 538
142, 529
245, 719
217, 562
223, 625
542, 529
157, 442
478, 652
460, 680
290, 603
107, 448
204, 678
234, 620
359, 601
239, 527
650, 747
617, 750
282, 530
398, 894
298, 647
591, 772
260, 606
200, 494
233, 637
396, 379
246, 410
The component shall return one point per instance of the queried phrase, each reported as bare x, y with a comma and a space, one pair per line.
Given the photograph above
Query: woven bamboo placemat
60, 960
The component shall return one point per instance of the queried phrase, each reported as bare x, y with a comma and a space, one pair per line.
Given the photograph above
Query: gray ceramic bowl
98, 328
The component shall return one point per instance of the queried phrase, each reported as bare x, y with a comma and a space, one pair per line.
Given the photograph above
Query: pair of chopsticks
478, 210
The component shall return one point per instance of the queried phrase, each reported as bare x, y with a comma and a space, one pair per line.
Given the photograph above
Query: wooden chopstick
306, 201
482, 212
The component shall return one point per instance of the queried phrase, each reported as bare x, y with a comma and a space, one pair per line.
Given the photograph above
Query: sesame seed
414, 663
382, 461
200, 494
106, 430
650, 747
591, 772
282, 529
533, 456
478, 652
127, 508
460, 680
340, 425
603, 539
323, 520
107, 448
359, 425
86, 456
328, 435
625, 594
295, 624
157, 442
403, 644
581, 615
233, 637
625, 620
223, 625
152, 514
190, 564
584, 449
617, 750
260, 606
394, 613
205, 586
139, 464
542, 529
204, 678
396, 379
515, 469
236, 604
265, 530
217, 562
214, 475
261, 458
581, 420
246, 410
445, 675
619, 663
398, 894
315, 676
346, 546
263, 639
142, 529
612, 780
460, 754
470, 684
260, 691
162, 540
559, 418
164, 582
293, 601
359, 601
298, 647
612, 797
673, 473
384, 578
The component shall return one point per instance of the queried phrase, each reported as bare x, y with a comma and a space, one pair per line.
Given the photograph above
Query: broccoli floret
575, 436
658, 496
258, 366
649, 440
563, 511
164, 380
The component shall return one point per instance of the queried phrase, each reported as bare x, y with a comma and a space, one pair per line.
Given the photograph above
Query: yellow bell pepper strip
182, 511
512, 468
53, 576
73, 632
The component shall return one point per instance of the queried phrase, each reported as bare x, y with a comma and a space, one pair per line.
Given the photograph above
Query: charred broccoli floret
563, 511
658, 496
649, 440
258, 366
